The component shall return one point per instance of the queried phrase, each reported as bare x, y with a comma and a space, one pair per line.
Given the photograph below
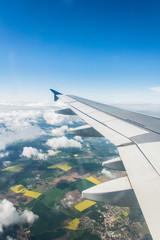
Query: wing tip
55, 94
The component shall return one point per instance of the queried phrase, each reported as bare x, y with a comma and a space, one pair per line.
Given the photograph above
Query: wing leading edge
137, 138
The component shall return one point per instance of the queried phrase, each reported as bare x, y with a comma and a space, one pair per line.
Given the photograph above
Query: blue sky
105, 50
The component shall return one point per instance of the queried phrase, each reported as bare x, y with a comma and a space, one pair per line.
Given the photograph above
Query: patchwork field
84, 205
64, 167
93, 180
73, 225
15, 168
24, 191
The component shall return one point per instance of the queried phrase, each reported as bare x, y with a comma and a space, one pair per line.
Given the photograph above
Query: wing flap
115, 192
113, 136
114, 164
85, 131
66, 111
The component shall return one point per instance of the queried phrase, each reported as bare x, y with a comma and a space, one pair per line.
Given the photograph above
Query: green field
81, 235
53, 196
49, 219
50, 235
83, 184
47, 174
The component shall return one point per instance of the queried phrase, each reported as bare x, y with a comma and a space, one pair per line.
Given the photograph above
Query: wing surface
137, 137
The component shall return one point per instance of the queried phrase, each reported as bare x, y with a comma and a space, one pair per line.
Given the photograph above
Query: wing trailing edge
114, 192
84, 131
114, 164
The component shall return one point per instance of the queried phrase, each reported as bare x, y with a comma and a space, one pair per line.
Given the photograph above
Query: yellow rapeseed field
24, 191
57, 151
73, 225
15, 168
18, 189
63, 167
93, 180
31, 194
84, 205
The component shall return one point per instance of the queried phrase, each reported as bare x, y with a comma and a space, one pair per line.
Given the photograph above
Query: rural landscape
47, 181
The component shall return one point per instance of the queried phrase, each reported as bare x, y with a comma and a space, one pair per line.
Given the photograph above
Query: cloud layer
20, 123
56, 119
9, 215
16, 125
155, 89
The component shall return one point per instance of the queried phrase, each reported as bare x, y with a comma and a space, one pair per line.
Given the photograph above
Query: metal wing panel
141, 120
146, 184
102, 117
152, 152
108, 133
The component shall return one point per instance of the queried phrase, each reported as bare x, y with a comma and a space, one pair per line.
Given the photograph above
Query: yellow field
75, 155
93, 180
24, 191
84, 205
125, 214
31, 194
62, 167
57, 151
15, 168
73, 225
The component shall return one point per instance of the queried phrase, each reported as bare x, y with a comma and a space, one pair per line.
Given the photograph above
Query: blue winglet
55, 94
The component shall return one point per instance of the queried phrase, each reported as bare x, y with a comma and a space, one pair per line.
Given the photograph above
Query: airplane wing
137, 137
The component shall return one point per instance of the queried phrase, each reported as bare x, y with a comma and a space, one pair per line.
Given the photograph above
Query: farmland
52, 190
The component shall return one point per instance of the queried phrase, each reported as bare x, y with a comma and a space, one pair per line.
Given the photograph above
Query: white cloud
107, 173
155, 89
63, 142
15, 118
29, 152
51, 152
56, 119
59, 103
78, 138
9, 215
4, 154
59, 132
68, 201
21, 134
33, 152
10, 238
18, 125
6, 163
36, 104
42, 156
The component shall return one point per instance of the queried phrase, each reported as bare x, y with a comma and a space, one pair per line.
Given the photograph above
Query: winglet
55, 94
